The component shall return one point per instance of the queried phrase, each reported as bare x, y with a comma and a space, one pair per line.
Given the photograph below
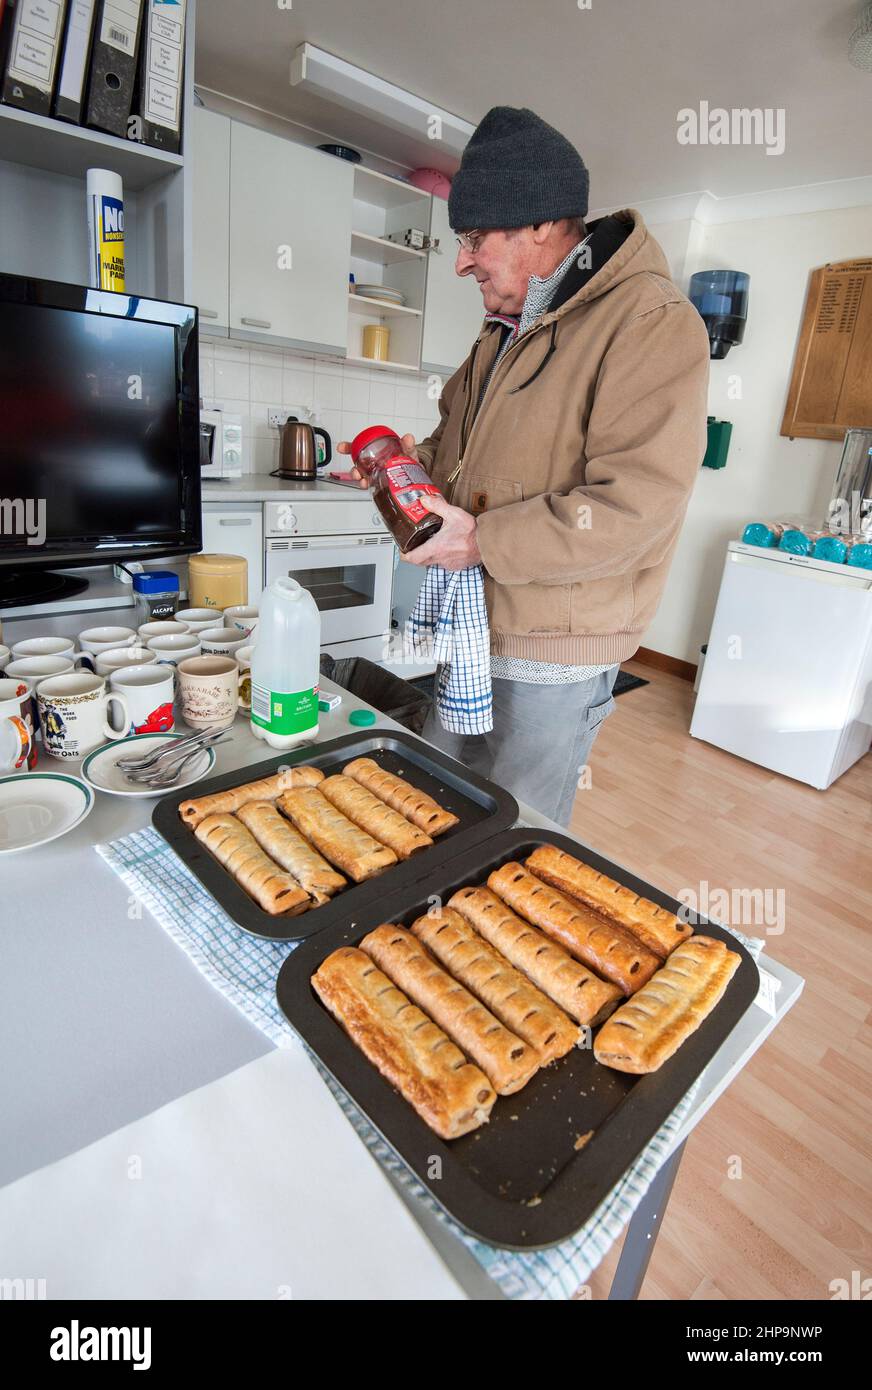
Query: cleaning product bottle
285, 666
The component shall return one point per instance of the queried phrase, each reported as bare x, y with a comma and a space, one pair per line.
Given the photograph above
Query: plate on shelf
101, 771
36, 807
381, 292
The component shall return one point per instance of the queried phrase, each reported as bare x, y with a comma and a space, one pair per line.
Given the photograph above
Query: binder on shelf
73, 71
112, 72
30, 41
158, 100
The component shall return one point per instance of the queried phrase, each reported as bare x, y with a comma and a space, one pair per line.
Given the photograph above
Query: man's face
501, 263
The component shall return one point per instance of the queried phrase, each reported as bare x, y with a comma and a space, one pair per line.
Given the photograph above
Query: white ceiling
612, 77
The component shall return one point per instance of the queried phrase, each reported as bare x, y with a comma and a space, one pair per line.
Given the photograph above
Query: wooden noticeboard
831, 386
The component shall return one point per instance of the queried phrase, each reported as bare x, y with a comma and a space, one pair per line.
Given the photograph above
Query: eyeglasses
470, 241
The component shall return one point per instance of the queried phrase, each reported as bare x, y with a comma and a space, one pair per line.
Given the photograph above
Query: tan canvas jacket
580, 459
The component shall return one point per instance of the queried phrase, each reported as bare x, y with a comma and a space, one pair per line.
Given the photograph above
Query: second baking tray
482, 807
550, 1154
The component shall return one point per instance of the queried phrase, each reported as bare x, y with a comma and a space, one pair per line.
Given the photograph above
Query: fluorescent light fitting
381, 101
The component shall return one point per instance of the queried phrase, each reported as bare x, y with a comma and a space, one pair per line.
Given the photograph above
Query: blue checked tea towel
244, 969
450, 625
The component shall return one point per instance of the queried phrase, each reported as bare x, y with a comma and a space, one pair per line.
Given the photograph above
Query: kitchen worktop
262, 487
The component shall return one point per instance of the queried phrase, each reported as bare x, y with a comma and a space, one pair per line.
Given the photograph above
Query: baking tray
517, 1182
482, 807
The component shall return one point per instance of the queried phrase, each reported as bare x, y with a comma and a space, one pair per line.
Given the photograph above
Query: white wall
765, 476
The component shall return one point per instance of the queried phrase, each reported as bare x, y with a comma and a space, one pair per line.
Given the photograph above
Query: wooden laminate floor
678, 811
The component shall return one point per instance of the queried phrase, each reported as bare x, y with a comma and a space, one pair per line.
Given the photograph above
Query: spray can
105, 194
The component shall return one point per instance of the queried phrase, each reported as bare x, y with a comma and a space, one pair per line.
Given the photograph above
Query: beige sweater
580, 478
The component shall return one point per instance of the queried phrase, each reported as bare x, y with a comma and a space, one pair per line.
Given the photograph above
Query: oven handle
333, 543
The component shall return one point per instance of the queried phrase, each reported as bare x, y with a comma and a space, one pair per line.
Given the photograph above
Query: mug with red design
148, 691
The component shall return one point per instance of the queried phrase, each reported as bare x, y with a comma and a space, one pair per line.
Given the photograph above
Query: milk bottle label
284, 712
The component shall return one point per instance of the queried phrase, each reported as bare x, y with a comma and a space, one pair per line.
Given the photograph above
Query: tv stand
25, 586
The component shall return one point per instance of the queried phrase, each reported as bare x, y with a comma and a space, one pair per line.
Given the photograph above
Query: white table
104, 1021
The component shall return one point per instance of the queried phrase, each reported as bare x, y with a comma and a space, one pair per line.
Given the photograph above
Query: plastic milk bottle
285, 666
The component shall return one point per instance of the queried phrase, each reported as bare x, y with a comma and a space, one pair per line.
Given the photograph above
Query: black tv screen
99, 444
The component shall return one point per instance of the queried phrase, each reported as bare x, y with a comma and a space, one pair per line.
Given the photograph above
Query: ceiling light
381, 101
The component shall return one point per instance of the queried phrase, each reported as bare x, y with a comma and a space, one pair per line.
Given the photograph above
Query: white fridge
787, 678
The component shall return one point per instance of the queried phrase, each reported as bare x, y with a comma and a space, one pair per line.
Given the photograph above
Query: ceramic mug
241, 616
243, 661
116, 657
44, 646
169, 651
74, 713
209, 690
148, 692
39, 668
159, 629
223, 641
96, 640
5, 655
16, 702
197, 619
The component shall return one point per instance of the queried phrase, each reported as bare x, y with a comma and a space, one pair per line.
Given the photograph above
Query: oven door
349, 577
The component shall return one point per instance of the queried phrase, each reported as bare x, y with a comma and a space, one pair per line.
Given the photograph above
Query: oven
349, 575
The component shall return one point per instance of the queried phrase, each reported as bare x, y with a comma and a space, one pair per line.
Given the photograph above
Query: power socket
276, 418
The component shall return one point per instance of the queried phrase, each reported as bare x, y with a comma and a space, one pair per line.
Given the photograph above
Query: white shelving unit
382, 206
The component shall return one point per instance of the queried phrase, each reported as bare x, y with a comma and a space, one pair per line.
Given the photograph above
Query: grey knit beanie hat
517, 170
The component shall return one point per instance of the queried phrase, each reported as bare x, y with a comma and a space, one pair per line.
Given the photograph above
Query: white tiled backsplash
345, 399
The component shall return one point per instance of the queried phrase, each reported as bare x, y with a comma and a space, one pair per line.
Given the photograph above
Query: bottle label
408, 483
282, 711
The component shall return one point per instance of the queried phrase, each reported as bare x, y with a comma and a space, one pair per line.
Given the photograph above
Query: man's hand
454, 546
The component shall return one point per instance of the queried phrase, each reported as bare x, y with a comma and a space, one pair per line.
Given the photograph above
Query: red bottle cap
360, 441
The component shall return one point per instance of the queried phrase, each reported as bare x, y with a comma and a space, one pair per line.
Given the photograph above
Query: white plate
381, 292
101, 771
36, 807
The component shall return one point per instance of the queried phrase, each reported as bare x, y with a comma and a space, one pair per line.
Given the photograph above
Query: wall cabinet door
290, 241
453, 309
210, 261
236, 530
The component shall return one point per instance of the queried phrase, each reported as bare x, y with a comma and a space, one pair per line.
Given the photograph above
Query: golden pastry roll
451, 1094
580, 993
415, 805
236, 848
656, 927
649, 1028
283, 843
522, 1007
266, 789
506, 1060
372, 814
341, 841
599, 944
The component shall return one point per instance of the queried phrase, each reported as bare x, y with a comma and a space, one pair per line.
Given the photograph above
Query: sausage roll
650, 1027
287, 847
374, 815
339, 839
415, 805
449, 1093
594, 940
656, 927
267, 789
505, 1059
237, 849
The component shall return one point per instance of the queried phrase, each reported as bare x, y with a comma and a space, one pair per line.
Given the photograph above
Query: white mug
73, 712
243, 616
243, 661
209, 690
95, 640
16, 702
148, 693
5, 655
170, 651
160, 629
116, 657
44, 646
39, 668
197, 619
223, 641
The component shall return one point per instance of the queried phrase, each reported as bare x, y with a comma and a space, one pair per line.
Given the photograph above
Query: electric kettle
298, 458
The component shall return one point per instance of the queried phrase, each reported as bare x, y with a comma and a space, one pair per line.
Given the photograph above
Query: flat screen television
99, 433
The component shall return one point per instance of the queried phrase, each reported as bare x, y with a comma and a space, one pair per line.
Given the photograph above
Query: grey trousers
541, 739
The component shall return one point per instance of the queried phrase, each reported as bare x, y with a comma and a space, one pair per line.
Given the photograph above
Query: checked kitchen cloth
450, 625
244, 968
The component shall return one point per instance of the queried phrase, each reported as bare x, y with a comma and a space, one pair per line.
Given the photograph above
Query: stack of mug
123, 681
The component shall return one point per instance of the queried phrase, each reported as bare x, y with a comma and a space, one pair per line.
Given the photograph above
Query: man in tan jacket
567, 448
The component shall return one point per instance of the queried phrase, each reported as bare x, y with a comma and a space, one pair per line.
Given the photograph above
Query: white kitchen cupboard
230, 529
290, 240
453, 309
210, 216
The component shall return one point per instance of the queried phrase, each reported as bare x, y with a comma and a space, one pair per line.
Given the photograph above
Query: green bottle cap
361, 717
